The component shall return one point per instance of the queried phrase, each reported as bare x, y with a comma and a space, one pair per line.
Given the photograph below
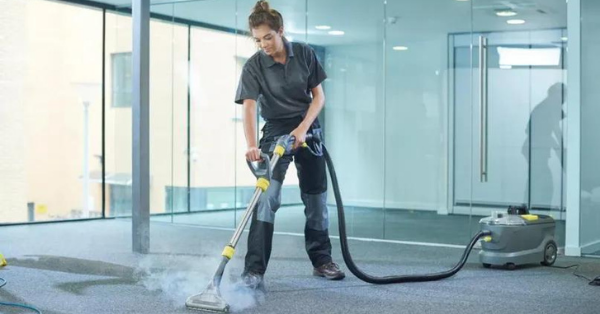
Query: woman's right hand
253, 154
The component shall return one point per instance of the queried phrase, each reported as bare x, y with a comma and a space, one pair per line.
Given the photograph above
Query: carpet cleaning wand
211, 299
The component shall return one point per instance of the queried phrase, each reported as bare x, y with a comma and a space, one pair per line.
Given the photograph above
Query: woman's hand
300, 135
253, 154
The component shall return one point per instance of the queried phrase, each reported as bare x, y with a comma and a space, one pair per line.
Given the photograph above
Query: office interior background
419, 156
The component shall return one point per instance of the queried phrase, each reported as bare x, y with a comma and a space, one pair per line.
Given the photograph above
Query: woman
285, 80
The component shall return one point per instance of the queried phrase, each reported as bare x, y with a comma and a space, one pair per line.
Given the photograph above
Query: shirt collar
269, 61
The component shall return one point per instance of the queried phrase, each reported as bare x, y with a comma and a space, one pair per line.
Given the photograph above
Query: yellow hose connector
2, 261
228, 252
262, 184
487, 238
279, 150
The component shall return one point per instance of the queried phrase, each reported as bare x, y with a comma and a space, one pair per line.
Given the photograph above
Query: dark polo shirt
281, 90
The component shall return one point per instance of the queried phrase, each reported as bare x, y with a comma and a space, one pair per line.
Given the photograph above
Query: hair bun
262, 14
261, 6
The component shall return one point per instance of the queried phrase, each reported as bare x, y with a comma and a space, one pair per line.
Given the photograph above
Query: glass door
513, 131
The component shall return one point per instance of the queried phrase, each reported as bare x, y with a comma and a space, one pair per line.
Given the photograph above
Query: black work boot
330, 271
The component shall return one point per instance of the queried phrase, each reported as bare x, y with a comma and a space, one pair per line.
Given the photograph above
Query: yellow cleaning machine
211, 300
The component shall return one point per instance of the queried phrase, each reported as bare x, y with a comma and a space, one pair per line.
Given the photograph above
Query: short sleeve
248, 87
316, 73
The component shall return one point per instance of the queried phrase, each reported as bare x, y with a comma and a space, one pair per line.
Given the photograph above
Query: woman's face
267, 39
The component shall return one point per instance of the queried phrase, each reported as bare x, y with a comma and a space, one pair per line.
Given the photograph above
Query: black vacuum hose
387, 279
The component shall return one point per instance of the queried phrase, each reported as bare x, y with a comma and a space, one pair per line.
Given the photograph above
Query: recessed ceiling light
505, 67
515, 22
323, 27
336, 33
462, 0
564, 38
505, 13
400, 48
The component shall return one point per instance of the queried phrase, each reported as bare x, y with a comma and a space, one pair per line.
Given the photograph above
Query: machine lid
503, 218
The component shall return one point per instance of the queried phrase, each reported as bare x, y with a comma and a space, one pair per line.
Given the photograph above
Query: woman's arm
252, 152
317, 104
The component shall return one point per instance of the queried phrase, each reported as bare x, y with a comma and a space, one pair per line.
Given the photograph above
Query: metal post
141, 127
86, 160
31, 212
574, 219
103, 156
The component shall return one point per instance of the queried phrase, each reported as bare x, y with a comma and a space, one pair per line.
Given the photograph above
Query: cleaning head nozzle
209, 300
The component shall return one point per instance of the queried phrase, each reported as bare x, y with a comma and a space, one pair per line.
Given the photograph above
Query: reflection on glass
543, 143
529, 56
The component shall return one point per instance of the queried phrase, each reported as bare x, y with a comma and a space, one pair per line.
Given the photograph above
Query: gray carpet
88, 267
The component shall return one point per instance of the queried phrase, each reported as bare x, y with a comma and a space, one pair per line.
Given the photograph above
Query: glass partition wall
437, 113
590, 147
426, 139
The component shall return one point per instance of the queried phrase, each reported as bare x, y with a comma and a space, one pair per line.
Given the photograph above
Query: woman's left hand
300, 134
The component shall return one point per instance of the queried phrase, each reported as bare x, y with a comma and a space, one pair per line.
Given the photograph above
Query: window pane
121, 76
50, 113
118, 115
168, 116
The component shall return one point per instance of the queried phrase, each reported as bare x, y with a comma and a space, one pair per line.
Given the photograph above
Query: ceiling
363, 21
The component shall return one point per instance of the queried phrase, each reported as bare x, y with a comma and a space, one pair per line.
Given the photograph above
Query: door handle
483, 109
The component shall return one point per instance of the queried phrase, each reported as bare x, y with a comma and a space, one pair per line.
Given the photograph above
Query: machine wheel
550, 253
486, 265
511, 266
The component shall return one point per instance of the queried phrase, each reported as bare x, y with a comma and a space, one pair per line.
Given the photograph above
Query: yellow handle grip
262, 184
228, 252
279, 150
